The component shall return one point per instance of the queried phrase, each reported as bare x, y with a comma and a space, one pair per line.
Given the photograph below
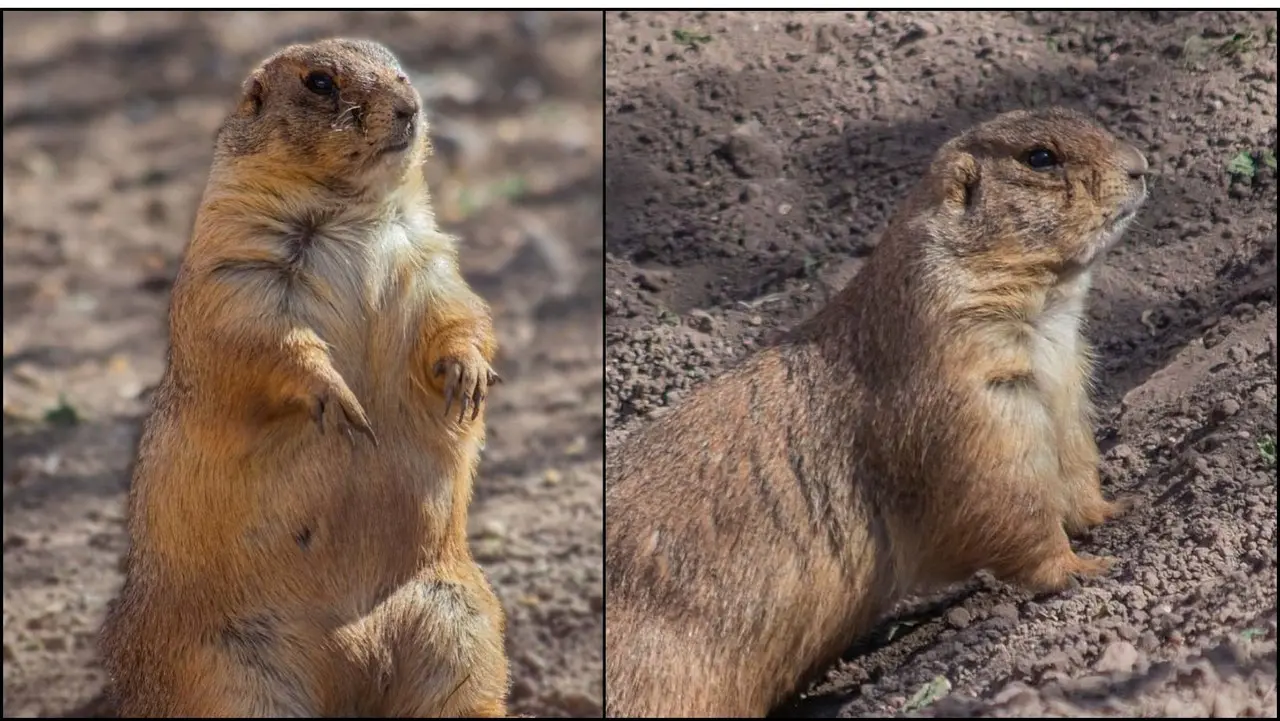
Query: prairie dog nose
405, 108
1133, 161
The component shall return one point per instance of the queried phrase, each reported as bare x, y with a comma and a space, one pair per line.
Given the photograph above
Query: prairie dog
931, 421
298, 506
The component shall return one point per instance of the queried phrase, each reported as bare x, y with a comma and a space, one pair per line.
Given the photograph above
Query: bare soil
753, 159
108, 132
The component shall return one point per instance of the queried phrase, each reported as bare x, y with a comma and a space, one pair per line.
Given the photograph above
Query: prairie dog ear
251, 96
961, 181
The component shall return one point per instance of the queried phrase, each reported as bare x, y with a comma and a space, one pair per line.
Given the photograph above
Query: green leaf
63, 414
1237, 43
928, 693
811, 266
1242, 165
1268, 159
689, 38
511, 187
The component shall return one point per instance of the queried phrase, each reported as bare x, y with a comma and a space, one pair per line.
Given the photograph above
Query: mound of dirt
753, 159
108, 130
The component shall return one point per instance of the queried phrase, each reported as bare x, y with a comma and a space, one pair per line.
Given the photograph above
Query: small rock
751, 153
1120, 656
55, 644
959, 617
1226, 409
917, 31
157, 211
700, 320
1005, 610
648, 282
487, 549
1124, 452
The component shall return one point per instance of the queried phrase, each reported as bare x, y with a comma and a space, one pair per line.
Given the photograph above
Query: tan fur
931, 421
299, 502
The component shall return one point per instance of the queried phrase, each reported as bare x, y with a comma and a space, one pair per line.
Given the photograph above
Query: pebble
1120, 656
1227, 408
700, 320
959, 617
1005, 610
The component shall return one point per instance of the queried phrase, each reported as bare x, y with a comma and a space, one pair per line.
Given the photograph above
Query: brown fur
931, 421
299, 502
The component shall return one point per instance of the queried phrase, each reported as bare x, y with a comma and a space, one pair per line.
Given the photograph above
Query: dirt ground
108, 132
753, 158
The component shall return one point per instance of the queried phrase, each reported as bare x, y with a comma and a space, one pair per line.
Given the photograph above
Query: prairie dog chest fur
363, 283
1059, 353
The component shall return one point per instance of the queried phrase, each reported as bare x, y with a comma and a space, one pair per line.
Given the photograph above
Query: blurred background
109, 119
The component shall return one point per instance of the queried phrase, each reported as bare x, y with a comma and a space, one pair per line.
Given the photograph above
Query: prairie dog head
1042, 190
338, 113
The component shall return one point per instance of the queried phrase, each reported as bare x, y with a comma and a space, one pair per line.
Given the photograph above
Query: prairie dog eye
1041, 159
320, 83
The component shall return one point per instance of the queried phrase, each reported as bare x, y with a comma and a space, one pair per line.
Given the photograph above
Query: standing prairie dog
299, 503
931, 421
